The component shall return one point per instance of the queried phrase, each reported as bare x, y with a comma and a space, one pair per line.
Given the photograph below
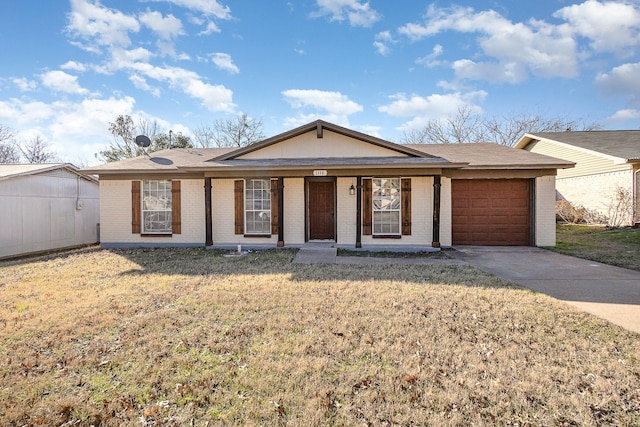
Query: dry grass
180, 337
618, 246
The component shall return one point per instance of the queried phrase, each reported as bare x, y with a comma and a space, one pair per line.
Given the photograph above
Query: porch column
359, 212
437, 185
208, 220
280, 212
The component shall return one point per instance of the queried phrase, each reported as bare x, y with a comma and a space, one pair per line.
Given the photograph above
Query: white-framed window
257, 206
386, 206
156, 206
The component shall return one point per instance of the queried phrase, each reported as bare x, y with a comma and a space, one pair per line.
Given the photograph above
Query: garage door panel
491, 212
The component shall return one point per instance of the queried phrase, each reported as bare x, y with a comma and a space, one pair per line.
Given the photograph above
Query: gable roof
319, 126
8, 171
416, 157
621, 145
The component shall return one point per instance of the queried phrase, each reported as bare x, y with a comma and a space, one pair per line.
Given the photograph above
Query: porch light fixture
352, 190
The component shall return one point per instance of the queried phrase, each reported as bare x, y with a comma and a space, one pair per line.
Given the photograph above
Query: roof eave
327, 166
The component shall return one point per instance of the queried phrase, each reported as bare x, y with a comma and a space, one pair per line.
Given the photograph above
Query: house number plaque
319, 173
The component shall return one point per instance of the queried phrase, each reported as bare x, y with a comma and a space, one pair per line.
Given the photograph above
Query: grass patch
619, 247
186, 336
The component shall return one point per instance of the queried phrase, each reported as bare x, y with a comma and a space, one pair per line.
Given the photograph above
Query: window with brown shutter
238, 188
366, 206
406, 206
136, 212
274, 206
176, 227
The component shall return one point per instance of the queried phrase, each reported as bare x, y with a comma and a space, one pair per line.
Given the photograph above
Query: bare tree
36, 150
8, 151
466, 126
237, 132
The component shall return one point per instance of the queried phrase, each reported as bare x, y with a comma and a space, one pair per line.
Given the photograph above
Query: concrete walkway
611, 293
318, 254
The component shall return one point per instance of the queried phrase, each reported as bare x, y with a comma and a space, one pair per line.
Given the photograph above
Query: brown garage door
491, 212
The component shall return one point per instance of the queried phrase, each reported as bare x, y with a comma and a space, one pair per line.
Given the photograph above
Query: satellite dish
143, 141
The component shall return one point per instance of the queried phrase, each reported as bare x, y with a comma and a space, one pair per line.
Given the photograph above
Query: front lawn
620, 247
188, 337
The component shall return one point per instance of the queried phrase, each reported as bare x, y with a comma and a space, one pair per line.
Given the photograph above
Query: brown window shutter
176, 227
367, 207
405, 186
274, 206
238, 187
136, 211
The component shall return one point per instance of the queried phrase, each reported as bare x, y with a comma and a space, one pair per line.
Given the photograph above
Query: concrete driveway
611, 293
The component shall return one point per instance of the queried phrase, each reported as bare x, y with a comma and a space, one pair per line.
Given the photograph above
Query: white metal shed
46, 207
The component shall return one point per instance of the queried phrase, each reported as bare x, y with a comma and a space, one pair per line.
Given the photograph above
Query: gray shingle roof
490, 155
624, 144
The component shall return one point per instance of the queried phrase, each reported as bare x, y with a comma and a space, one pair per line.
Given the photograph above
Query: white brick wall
346, 206
545, 215
596, 192
294, 207
115, 215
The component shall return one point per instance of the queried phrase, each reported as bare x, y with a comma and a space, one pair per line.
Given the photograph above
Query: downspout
280, 212
208, 220
636, 199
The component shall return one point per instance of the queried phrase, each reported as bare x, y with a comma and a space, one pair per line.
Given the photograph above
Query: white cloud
430, 60
358, 13
74, 66
332, 106
123, 58
622, 80
60, 81
75, 130
210, 29
167, 28
611, 26
544, 50
206, 7
625, 115
100, 25
509, 72
382, 41
224, 62
433, 107
142, 84
24, 84
213, 97
333, 102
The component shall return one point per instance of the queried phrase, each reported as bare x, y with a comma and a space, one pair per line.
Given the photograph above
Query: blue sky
380, 67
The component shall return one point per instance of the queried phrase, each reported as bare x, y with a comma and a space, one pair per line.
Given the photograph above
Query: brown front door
322, 210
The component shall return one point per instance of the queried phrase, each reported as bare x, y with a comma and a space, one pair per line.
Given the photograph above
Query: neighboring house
323, 182
46, 207
606, 178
